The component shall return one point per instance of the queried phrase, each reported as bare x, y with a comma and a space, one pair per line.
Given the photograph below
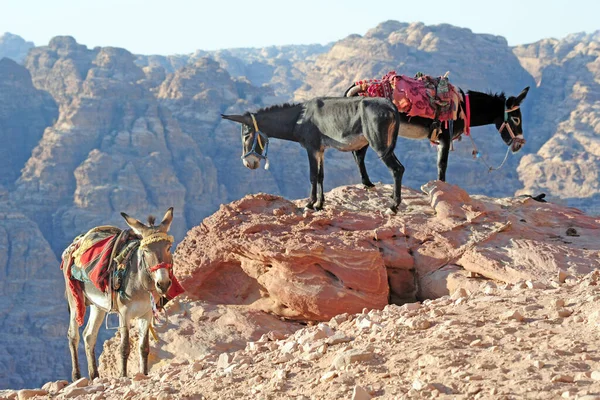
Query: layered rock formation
24, 114
568, 113
117, 148
14, 47
33, 315
265, 251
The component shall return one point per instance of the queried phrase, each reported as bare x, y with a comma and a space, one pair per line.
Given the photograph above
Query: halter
506, 125
154, 238
257, 140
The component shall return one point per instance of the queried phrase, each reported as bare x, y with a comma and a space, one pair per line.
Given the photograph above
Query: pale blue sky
182, 26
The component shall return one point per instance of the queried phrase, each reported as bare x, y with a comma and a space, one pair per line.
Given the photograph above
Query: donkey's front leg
144, 345
443, 151
124, 329
312, 162
90, 334
359, 157
320, 177
73, 336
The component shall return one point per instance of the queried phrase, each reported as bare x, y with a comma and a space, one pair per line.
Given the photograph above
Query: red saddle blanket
423, 96
88, 260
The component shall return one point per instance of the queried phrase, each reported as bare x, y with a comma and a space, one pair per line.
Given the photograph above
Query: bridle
258, 138
154, 238
506, 124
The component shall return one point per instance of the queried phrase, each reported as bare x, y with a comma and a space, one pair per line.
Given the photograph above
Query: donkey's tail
352, 91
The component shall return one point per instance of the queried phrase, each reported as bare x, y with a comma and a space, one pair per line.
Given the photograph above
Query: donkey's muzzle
251, 162
163, 287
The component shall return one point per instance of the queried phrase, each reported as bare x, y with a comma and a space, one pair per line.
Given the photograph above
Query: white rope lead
476, 154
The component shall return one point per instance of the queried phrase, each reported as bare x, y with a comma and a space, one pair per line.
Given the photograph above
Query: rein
257, 139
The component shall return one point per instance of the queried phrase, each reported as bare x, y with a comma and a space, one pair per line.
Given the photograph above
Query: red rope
161, 266
468, 116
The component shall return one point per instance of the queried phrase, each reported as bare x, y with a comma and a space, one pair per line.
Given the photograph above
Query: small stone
29, 393
55, 387
562, 276
224, 360
535, 285
514, 315
558, 303
563, 378
459, 293
419, 385
564, 312
73, 392
139, 377
476, 343
79, 383
410, 306
337, 338
595, 375
538, 364
349, 357
359, 393
289, 347
328, 376
418, 324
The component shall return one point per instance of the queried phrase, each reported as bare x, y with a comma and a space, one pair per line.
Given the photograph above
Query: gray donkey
148, 272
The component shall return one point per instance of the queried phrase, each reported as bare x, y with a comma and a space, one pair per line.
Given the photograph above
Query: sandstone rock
359, 393
349, 357
55, 387
25, 394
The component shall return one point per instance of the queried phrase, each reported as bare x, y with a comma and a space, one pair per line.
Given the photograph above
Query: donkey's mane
151, 220
278, 107
499, 96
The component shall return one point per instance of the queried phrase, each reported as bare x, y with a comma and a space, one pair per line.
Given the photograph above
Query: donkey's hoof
318, 207
368, 185
309, 207
393, 210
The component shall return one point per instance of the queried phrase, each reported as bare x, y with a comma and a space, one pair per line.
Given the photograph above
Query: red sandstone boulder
267, 251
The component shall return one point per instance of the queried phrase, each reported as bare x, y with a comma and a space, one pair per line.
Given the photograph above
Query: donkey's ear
134, 224
242, 119
522, 95
166, 222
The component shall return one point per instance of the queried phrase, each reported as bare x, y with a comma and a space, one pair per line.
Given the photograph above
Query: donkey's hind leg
397, 169
90, 335
73, 336
320, 178
359, 157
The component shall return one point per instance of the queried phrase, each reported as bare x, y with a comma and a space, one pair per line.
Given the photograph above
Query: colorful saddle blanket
88, 259
422, 96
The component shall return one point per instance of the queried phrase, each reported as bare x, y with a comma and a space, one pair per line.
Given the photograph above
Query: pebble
563, 378
514, 315
359, 393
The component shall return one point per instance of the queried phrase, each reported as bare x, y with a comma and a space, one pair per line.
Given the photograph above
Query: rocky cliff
33, 315
25, 113
14, 47
567, 132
